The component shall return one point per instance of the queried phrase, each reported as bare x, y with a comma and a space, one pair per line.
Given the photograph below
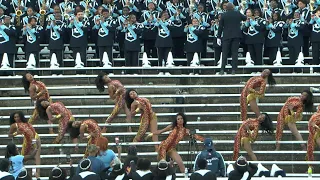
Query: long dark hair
21, 115
271, 80
25, 82
266, 124
74, 132
99, 81
308, 103
128, 99
11, 150
41, 110
174, 123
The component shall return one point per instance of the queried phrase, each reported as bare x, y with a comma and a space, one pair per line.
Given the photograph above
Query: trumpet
43, 12
65, 14
311, 4
87, 11
18, 13
191, 6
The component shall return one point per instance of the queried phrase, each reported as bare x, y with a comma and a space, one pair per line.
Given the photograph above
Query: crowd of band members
162, 26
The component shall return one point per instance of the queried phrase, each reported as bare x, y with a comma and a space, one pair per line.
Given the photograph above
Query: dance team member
47, 111
291, 112
148, 119
116, 92
255, 88
179, 131
314, 134
31, 140
248, 133
37, 91
77, 128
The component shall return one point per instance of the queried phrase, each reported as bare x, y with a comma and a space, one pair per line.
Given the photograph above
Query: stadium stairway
211, 103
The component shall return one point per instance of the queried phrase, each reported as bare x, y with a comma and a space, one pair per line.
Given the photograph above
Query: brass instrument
87, 11
286, 8
191, 6
311, 4
243, 6
18, 14
43, 12
218, 5
65, 14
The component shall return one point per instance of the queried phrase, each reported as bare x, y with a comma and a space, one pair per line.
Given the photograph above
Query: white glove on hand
245, 176
219, 41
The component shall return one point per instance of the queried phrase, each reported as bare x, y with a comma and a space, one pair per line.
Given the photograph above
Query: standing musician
56, 28
214, 7
17, 8
78, 41
159, 5
105, 27
67, 8
5, 6
7, 40
31, 33
30, 13
132, 48
288, 6
131, 4
149, 34
274, 9
305, 17
315, 38
178, 18
90, 7
46, 5
120, 37
109, 4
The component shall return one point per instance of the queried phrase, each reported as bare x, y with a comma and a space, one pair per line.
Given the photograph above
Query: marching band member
214, 7
315, 38
5, 6
90, 7
109, 4
2, 14
31, 33
164, 39
46, 5
295, 37
274, 28
7, 40
149, 34
131, 4
159, 5
254, 36
17, 6
67, 8
305, 17
274, 9
105, 28
56, 28
288, 6
78, 41
132, 47
194, 40
30, 13
178, 18
121, 35
214, 32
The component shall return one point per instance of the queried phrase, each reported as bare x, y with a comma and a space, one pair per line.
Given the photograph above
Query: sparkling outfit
40, 86
249, 93
29, 134
120, 99
243, 135
94, 130
147, 115
314, 134
59, 108
175, 136
285, 116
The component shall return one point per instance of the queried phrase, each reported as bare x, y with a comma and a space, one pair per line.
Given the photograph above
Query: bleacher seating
211, 103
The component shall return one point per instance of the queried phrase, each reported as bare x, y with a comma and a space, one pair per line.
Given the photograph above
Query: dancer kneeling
77, 128
248, 133
47, 110
291, 112
148, 118
179, 131
250, 93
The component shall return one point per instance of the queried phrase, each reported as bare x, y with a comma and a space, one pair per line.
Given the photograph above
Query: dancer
77, 128
179, 131
314, 134
291, 112
116, 92
47, 111
147, 118
254, 88
31, 140
37, 91
248, 133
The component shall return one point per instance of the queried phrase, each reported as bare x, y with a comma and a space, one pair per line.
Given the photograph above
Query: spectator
143, 172
16, 159
131, 157
203, 173
107, 156
96, 165
86, 172
242, 170
215, 160
58, 173
23, 175
118, 172
164, 171
4, 168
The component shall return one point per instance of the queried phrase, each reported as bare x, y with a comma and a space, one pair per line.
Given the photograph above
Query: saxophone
43, 12
18, 14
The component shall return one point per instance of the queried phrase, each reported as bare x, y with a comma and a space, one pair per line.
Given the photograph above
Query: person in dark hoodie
23, 175
4, 168
203, 173
143, 172
164, 171
215, 160
242, 170
86, 174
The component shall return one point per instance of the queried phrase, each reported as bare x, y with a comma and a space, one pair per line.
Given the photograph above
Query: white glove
245, 176
219, 41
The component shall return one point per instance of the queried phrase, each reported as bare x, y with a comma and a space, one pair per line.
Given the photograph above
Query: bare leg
177, 158
38, 159
295, 132
254, 107
247, 147
318, 142
75, 141
153, 128
128, 118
